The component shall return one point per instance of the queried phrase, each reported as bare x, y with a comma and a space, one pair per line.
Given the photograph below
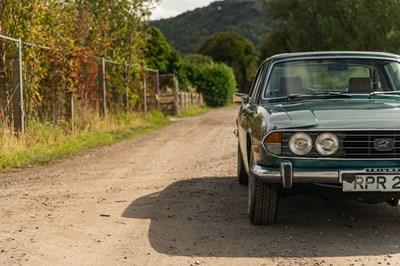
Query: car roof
331, 54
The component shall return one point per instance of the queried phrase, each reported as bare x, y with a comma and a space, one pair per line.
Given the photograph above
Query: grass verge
44, 142
193, 112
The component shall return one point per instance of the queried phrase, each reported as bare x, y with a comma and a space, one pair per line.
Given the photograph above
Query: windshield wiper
375, 93
294, 97
297, 97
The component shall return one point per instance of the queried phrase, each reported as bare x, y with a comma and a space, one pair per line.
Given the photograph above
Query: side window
258, 84
393, 72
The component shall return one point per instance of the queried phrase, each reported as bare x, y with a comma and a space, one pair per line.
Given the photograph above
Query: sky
171, 8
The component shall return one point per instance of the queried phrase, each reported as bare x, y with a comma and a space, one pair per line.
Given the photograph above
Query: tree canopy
158, 50
318, 25
237, 52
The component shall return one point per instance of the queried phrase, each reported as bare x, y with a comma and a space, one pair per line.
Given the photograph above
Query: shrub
215, 81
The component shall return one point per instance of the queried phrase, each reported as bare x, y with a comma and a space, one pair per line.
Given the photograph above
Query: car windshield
333, 77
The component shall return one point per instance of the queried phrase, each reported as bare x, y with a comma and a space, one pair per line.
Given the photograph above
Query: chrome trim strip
272, 175
335, 54
337, 159
333, 130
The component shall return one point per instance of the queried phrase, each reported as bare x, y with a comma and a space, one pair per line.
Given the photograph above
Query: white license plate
373, 182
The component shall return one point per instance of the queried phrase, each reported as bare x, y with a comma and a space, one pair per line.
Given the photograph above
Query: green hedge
215, 81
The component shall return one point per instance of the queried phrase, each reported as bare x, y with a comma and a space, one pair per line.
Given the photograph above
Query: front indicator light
273, 143
327, 144
300, 144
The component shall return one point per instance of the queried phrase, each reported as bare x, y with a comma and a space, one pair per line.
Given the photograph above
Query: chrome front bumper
287, 175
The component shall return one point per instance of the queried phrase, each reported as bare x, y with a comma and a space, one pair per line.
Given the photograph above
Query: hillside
189, 30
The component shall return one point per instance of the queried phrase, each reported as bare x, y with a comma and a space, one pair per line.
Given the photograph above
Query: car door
247, 114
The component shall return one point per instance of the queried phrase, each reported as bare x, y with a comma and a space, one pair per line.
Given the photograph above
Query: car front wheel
263, 201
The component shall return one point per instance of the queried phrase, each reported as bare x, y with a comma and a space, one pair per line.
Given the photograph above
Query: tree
274, 43
318, 25
158, 52
237, 52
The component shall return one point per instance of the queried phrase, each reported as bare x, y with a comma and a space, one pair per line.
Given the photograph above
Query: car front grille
353, 144
361, 144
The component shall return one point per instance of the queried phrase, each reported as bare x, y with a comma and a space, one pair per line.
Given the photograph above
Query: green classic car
321, 123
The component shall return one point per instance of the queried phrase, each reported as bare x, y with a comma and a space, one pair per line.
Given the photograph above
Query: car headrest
291, 85
360, 85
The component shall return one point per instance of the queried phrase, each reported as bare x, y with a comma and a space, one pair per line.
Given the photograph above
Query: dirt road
171, 198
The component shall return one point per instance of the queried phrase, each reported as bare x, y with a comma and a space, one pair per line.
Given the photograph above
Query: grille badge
384, 144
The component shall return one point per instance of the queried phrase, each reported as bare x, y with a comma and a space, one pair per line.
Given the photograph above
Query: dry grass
44, 142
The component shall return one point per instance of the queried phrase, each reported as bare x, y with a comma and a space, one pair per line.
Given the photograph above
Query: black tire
263, 201
243, 177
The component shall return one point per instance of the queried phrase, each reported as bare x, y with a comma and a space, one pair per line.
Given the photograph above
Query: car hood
336, 114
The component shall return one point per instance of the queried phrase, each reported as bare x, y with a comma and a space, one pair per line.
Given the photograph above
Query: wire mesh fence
46, 84
54, 85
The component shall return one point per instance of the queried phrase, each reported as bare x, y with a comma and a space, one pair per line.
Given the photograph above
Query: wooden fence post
195, 99
180, 101
102, 88
184, 101
126, 103
70, 112
176, 95
145, 92
18, 96
158, 90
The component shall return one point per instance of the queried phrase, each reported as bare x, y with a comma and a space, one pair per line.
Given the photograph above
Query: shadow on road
207, 217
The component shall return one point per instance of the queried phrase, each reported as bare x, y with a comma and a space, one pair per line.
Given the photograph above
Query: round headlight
300, 144
327, 144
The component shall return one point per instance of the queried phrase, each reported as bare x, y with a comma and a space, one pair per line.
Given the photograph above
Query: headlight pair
301, 144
